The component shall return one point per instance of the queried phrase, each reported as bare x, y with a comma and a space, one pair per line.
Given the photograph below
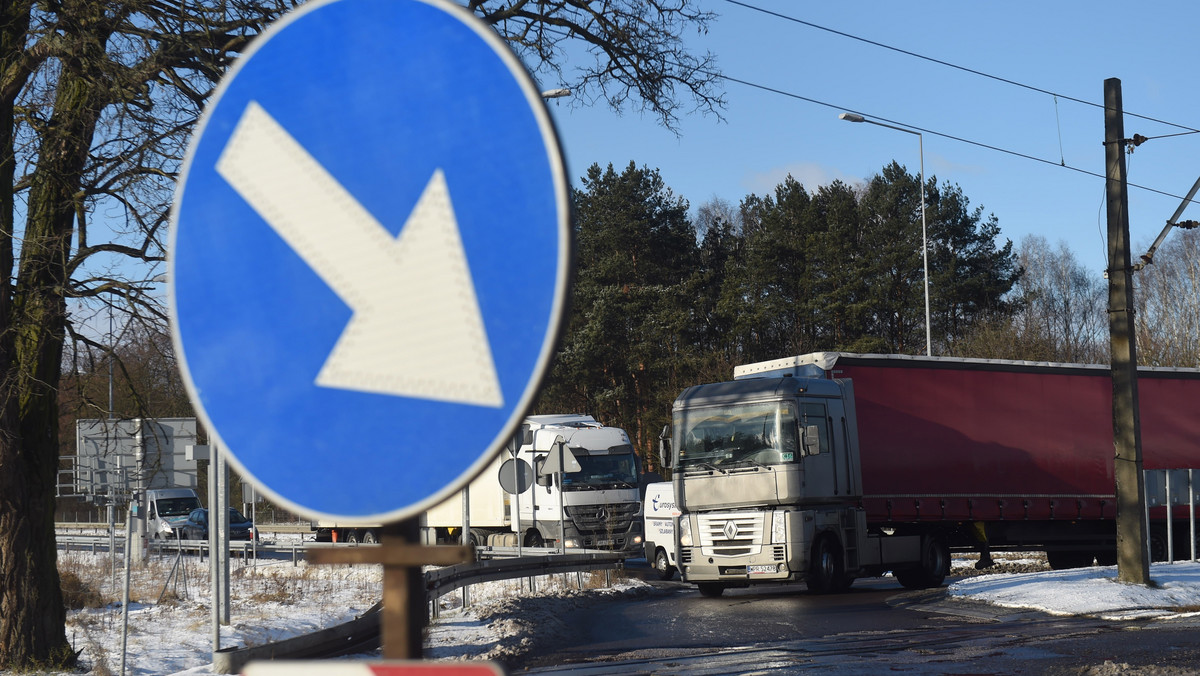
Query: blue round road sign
370, 256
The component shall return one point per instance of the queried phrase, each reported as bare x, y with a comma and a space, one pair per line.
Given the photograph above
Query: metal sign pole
125, 592
466, 517
562, 510
213, 573
221, 511
516, 465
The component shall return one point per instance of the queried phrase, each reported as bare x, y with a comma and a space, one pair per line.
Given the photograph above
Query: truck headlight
685, 532
778, 532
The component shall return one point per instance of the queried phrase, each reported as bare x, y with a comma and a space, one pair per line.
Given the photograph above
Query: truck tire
934, 566
827, 571
1158, 544
710, 589
534, 539
351, 537
662, 565
370, 538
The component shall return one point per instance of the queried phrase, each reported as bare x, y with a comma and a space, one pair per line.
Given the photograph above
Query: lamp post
854, 117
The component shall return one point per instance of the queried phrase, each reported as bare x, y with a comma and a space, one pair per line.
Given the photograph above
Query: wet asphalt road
877, 627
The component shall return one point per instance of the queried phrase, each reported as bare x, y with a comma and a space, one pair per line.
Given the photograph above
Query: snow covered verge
1091, 591
170, 628
170, 625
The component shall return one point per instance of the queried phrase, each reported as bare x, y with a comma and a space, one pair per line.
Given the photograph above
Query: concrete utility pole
1133, 562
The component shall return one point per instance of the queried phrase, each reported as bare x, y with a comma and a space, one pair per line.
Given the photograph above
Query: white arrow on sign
417, 329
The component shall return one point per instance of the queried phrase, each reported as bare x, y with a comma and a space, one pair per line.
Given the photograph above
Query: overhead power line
792, 95
947, 64
930, 132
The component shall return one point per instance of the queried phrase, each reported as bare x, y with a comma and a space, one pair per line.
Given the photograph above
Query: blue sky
1068, 48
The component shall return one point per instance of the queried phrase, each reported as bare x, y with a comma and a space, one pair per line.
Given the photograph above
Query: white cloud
809, 174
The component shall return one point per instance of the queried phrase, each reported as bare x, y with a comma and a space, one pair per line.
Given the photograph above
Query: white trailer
601, 507
597, 491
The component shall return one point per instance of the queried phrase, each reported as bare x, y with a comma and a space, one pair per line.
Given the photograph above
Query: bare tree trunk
32, 614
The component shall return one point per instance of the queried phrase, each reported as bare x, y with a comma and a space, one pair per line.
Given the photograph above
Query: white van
167, 509
661, 515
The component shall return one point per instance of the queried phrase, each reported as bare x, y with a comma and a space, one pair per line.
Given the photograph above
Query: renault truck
830, 466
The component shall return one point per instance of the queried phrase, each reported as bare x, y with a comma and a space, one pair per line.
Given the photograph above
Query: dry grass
78, 592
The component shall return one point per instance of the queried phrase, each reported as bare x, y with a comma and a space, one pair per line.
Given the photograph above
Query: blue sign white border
563, 282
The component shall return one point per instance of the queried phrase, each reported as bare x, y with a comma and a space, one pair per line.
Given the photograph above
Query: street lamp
854, 117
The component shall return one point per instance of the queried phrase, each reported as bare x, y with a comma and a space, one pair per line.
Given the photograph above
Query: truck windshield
603, 471
177, 506
737, 435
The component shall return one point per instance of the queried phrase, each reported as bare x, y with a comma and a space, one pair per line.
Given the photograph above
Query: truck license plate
762, 569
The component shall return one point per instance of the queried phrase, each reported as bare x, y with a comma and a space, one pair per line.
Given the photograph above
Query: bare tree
636, 54
1061, 304
97, 100
1058, 311
1168, 300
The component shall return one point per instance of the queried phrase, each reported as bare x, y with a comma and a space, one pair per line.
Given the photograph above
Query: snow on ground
1091, 591
276, 599
270, 601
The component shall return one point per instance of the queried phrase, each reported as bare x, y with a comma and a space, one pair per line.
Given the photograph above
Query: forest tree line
664, 300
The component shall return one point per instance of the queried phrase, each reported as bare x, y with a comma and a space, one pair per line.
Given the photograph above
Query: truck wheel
352, 537
662, 565
934, 566
1158, 545
827, 571
711, 589
534, 539
369, 538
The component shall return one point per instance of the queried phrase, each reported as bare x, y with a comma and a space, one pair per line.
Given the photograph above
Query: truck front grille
603, 520
731, 534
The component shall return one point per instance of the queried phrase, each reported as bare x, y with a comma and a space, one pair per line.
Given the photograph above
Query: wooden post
404, 613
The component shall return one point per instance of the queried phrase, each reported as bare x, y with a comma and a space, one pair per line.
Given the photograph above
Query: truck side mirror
664, 446
812, 440
541, 478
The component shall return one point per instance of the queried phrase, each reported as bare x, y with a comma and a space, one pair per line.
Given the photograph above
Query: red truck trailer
884, 462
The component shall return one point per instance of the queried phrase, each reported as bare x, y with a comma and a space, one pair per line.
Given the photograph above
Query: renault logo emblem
730, 530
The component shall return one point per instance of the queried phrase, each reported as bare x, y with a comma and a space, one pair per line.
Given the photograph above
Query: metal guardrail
356, 636
302, 528
444, 580
246, 548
